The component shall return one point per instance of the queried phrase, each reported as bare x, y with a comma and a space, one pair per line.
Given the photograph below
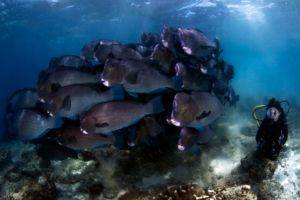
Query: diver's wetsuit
271, 136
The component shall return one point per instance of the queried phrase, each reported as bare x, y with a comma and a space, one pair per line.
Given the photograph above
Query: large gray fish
29, 124
148, 127
195, 43
70, 101
170, 39
142, 49
193, 79
191, 136
71, 136
88, 50
61, 78
108, 117
165, 59
135, 76
68, 61
24, 98
118, 51
149, 39
196, 110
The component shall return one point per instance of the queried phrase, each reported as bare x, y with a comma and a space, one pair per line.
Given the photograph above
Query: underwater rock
195, 192
22, 98
4, 157
71, 171
13, 175
134, 195
258, 168
32, 190
95, 190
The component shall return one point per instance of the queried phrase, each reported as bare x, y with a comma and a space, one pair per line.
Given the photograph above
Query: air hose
256, 108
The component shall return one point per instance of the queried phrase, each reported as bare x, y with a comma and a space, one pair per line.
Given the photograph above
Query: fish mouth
42, 100
83, 131
105, 82
175, 122
50, 113
180, 147
165, 43
203, 70
187, 50
131, 144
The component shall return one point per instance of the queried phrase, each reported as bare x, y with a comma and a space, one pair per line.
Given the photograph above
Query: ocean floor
225, 168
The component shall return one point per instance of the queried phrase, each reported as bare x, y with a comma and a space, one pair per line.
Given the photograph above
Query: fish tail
156, 105
117, 92
57, 122
178, 82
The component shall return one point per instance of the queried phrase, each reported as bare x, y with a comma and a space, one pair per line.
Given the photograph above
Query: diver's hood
274, 103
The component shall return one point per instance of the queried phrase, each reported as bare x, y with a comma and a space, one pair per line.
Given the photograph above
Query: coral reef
194, 192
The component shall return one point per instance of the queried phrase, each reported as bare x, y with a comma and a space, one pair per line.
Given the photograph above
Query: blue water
260, 38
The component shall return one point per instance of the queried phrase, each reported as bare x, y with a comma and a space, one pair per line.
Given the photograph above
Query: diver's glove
281, 140
261, 143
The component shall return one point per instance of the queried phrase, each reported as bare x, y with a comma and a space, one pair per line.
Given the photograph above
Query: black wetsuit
271, 136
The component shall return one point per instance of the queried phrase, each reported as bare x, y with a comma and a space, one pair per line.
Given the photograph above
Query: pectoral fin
101, 125
131, 78
203, 115
67, 103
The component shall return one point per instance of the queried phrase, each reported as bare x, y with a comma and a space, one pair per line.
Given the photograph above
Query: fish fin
205, 135
117, 92
203, 115
177, 83
132, 77
156, 105
58, 122
134, 95
102, 125
55, 87
67, 103
42, 76
82, 115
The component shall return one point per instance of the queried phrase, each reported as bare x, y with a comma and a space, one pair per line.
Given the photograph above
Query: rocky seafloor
226, 168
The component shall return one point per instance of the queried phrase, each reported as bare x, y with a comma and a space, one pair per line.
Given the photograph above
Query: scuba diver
273, 130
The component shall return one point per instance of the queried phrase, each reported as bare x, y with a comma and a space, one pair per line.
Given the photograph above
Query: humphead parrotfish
136, 76
88, 50
148, 127
142, 49
165, 58
68, 61
29, 124
70, 101
23, 98
71, 136
193, 79
149, 39
108, 117
195, 43
170, 39
197, 109
118, 51
191, 136
60, 78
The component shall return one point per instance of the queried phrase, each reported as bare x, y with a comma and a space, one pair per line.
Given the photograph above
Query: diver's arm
260, 131
284, 134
